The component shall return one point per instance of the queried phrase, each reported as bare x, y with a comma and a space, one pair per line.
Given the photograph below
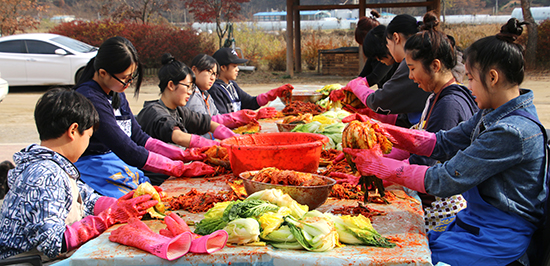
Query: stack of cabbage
276, 218
329, 124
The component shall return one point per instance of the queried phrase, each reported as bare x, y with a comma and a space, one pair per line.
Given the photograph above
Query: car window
40, 47
74, 44
11, 47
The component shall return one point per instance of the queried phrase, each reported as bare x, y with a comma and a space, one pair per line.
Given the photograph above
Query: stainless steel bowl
312, 196
304, 96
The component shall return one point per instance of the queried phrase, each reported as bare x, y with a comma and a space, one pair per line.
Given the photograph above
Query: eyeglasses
212, 73
127, 83
189, 87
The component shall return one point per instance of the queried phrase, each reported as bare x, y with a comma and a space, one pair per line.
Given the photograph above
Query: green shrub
150, 40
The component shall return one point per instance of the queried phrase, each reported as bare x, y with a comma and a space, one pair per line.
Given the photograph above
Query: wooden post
297, 39
436, 7
362, 7
290, 37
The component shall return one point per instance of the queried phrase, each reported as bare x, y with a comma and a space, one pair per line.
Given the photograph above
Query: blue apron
481, 235
109, 175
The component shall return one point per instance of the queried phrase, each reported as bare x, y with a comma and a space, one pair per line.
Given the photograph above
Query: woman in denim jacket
496, 160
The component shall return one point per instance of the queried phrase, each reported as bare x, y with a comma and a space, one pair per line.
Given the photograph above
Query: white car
43, 59
3, 88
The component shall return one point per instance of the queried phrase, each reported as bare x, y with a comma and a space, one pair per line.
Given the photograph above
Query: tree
136, 10
15, 15
216, 11
532, 37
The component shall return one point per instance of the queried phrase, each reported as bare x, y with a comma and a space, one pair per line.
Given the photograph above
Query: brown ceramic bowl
304, 96
286, 127
312, 196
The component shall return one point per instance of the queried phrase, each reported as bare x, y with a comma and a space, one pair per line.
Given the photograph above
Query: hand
358, 117
195, 169
127, 207
371, 162
266, 112
345, 178
338, 158
356, 83
278, 92
193, 154
200, 142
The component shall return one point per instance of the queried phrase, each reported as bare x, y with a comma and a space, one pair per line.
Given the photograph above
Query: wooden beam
362, 7
297, 39
290, 37
380, 5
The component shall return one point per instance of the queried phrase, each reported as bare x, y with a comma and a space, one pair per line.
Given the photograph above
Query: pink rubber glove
271, 95
414, 141
173, 152
398, 154
103, 203
266, 112
223, 132
338, 158
200, 142
388, 119
345, 178
138, 234
201, 244
235, 119
370, 162
91, 226
160, 164
360, 87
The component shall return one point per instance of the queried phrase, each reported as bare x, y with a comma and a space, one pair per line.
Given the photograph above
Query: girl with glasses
167, 120
119, 151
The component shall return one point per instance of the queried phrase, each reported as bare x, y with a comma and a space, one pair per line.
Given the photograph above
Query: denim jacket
502, 156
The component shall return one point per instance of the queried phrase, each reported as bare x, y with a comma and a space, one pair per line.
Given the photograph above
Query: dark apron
481, 235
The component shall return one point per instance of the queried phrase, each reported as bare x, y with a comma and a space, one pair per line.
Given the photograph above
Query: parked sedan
3, 88
43, 59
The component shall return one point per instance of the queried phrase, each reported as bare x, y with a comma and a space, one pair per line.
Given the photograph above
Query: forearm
181, 138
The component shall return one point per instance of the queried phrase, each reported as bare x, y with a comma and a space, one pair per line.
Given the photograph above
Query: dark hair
431, 44
374, 45
366, 24
59, 108
205, 62
5, 167
404, 24
499, 51
115, 55
172, 70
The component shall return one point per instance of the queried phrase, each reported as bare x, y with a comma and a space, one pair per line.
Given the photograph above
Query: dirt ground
17, 127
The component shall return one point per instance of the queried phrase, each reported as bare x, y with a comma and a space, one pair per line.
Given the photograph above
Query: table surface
403, 223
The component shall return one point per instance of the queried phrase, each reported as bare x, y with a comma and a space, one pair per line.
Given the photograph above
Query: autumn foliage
15, 16
151, 41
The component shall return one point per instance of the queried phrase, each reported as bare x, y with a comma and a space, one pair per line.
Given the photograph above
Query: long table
403, 223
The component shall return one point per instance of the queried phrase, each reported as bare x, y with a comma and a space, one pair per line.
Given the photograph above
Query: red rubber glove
201, 244
139, 235
371, 162
160, 164
223, 132
338, 158
173, 152
91, 226
266, 112
200, 142
388, 119
345, 178
358, 117
271, 95
235, 119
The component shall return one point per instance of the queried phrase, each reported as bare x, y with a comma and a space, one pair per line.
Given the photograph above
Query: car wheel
78, 75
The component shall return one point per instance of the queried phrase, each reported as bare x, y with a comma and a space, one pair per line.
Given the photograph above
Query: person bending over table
228, 96
119, 150
496, 160
206, 70
167, 120
48, 211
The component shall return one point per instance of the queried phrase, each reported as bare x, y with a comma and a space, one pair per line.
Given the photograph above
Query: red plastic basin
284, 150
